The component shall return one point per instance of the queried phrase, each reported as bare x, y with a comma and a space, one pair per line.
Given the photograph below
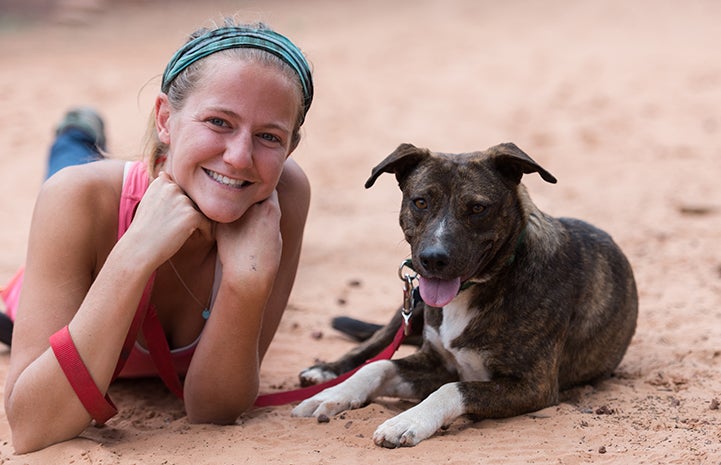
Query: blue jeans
72, 147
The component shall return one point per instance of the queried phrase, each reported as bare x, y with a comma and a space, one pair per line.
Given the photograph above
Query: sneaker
87, 120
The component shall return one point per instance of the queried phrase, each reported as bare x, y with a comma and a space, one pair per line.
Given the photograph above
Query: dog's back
581, 267
605, 306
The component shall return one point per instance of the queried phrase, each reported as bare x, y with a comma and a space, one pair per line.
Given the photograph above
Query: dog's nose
434, 259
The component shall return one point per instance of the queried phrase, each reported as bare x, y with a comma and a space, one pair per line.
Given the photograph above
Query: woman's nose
239, 150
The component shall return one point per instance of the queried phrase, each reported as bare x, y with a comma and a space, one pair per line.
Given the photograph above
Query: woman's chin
224, 213
223, 218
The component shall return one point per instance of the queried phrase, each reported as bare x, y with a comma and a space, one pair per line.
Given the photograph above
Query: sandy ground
621, 101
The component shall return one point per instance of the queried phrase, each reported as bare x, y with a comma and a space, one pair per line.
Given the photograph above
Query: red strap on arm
100, 407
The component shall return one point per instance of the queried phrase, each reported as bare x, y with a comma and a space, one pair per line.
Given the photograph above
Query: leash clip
409, 294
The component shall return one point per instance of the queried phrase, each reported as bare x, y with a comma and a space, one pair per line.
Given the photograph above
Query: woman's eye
270, 137
217, 122
420, 204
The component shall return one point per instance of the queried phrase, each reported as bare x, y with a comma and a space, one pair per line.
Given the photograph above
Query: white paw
422, 421
315, 375
354, 392
406, 430
330, 402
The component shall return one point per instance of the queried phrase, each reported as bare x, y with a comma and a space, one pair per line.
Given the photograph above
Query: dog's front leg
366, 384
422, 421
483, 399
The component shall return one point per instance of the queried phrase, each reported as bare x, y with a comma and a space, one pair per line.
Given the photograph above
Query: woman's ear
162, 118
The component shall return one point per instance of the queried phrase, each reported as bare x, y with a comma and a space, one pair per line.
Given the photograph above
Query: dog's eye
477, 208
420, 204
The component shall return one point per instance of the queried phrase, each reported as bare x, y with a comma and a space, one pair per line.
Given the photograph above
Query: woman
180, 266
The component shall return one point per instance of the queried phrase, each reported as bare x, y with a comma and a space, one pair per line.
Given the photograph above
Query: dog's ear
513, 163
401, 162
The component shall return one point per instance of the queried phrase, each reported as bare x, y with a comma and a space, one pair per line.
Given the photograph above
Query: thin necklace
206, 308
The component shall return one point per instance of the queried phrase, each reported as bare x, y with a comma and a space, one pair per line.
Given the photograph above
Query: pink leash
161, 356
410, 299
287, 397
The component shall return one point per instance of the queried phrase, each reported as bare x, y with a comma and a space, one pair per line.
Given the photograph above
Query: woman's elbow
222, 416
32, 431
220, 411
24, 444
26, 437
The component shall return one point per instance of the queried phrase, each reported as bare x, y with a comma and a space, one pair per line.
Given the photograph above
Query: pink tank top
139, 362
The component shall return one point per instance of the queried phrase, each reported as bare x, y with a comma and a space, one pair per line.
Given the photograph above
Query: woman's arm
222, 381
77, 275
70, 227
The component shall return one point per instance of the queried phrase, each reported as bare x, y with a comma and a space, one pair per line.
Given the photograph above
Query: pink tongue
438, 292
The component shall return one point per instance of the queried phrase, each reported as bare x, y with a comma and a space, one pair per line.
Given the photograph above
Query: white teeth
225, 180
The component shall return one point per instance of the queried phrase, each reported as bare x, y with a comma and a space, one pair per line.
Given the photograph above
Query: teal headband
241, 37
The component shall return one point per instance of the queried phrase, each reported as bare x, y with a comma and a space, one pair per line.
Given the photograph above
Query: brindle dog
517, 304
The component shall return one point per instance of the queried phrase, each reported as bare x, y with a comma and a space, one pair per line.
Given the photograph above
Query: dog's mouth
438, 292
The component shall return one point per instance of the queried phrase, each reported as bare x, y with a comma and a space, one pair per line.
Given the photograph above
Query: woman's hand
166, 218
223, 378
228, 353
252, 245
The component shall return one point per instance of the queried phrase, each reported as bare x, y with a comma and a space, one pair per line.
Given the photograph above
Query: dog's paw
422, 421
354, 392
405, 430
315, 375
330, 402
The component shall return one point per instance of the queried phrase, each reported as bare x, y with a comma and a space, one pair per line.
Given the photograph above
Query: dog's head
461, 213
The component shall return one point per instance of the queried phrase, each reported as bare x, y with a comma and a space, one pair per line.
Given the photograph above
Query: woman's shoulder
90, 190
97, 179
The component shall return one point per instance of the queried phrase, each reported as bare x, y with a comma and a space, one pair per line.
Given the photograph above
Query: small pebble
605, 410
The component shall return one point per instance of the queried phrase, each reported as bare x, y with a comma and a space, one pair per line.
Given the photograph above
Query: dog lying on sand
516, 305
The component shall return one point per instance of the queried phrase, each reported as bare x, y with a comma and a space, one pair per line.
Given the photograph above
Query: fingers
169, 216
272, 199
206, 228
167, 177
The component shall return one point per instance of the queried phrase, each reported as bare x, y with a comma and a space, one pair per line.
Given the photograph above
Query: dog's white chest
470, 364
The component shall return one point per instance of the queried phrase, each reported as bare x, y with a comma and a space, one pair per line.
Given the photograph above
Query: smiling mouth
225, 180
